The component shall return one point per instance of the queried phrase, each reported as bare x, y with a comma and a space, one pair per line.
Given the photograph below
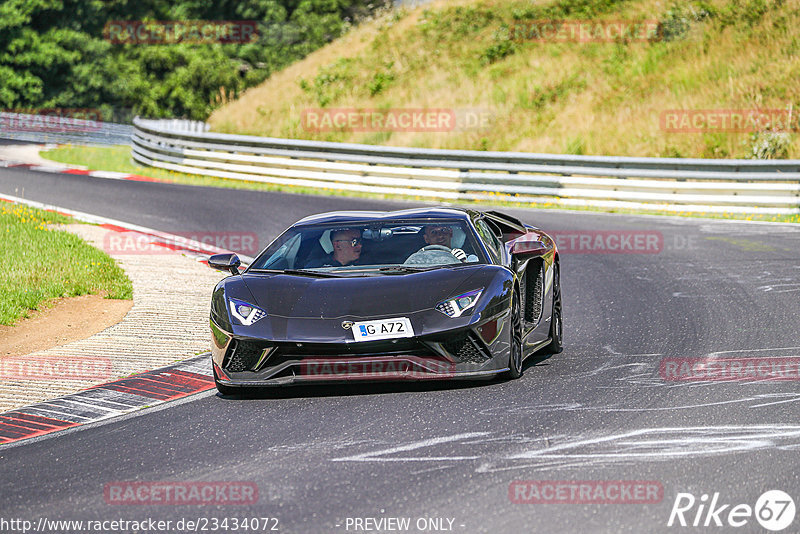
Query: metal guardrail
62, 130
663, 184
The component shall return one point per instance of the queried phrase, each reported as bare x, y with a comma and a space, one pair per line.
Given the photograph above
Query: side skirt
535, 348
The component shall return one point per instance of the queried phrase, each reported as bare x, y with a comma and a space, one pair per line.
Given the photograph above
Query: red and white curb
108, 400
64, 169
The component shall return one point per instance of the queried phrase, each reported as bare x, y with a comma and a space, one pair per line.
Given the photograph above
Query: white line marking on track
372, 456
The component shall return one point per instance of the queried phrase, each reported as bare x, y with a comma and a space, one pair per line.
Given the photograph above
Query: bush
502, 46
677, 22
769, 145
380, 80
330, 82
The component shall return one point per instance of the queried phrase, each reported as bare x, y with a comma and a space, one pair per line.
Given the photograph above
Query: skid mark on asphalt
774, 353
780, 288
667, 443
653, 445
754, 230
319, 445
754, 401
623, 374
489, 454
489, 450
779, 277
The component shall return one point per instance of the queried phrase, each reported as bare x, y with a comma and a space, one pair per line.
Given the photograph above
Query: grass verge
39, 263
118, 159
483, 60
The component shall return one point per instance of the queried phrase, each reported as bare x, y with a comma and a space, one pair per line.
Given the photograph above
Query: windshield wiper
406, 269
308, 272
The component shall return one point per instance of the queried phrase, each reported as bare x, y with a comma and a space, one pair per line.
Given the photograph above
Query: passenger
346, 248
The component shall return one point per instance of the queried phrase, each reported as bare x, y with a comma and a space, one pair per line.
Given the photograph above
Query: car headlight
456, 306
245, 313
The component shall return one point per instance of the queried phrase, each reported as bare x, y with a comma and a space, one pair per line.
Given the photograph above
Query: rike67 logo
774, 510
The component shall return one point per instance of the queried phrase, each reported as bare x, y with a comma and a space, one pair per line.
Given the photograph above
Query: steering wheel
435, 247
451, 251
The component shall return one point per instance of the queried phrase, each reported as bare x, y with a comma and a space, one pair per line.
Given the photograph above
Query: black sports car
431, 293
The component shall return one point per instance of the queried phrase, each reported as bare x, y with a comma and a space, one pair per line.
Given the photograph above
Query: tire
515, 350
556, 316
223, 389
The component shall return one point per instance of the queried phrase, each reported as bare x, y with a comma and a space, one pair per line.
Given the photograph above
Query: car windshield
385, 248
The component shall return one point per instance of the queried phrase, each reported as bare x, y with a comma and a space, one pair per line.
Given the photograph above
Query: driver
438, 235
441, 235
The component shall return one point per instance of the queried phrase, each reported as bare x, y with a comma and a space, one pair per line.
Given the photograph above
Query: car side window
488, 237
498, 239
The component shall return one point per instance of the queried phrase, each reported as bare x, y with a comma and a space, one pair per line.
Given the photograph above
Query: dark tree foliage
53, 53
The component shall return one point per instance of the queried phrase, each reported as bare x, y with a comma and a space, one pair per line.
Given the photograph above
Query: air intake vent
244, 355
466, 349
534, 291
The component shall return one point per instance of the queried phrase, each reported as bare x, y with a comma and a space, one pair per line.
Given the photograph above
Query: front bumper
467, 352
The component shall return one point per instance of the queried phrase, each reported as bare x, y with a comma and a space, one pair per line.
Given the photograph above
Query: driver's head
346, 245
438, 235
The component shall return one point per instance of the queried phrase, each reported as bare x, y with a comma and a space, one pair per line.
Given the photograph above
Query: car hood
363, 296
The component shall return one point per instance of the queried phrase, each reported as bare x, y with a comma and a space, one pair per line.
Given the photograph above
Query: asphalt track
599, 411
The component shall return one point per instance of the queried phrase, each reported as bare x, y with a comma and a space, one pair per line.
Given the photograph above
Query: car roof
349, 217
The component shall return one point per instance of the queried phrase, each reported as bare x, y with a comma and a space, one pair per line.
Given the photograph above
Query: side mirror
225, 262
528, 248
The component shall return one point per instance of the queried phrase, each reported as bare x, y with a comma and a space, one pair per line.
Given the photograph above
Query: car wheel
556, 321
223, 389
515, 351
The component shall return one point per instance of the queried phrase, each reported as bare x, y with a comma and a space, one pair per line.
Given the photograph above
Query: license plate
383, 329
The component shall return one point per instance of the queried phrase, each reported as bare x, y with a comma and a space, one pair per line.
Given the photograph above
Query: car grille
466, 348
244, 355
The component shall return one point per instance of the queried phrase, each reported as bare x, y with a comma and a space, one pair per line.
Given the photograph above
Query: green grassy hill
552, 96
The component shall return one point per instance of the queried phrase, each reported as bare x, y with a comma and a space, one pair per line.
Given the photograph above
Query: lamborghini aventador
432, 293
